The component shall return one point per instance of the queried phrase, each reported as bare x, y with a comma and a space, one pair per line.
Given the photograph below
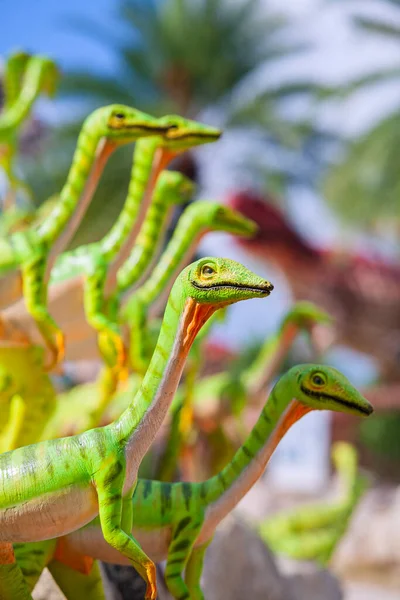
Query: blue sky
42, 26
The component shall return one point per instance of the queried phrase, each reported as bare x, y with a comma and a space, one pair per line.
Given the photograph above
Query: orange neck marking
194, 317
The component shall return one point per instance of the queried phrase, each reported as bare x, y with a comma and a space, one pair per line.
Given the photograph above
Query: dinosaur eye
207, 271
318, 380
119, 115
172, 127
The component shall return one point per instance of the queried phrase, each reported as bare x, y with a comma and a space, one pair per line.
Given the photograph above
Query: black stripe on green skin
319, 395
187, 494
113, 473
166, 498
180, 546
181, 525
147, 485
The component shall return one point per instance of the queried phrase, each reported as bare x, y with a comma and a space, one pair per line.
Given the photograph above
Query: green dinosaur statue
313, 532
25, 78
176, 521
24, 254
198, 219
96, 472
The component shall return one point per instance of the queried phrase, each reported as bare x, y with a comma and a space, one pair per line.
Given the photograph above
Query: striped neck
139, 423
189, 230
149, 160
149, 240
225, 490
88, 162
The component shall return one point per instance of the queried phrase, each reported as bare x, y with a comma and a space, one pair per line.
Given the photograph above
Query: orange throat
194, 317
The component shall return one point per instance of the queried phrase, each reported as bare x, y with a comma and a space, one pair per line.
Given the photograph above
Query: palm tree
365, 186
181, 56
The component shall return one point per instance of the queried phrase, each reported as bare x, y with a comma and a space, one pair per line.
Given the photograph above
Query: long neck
149, 160
187, 233
260, 373
150, 237
138, 425
87, 164
226, 489
20, 109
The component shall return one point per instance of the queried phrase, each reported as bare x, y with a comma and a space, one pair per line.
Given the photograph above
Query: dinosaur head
182, 134
217, 217
221, 281
176, 187
318, 387
123, 124
212, 283
305, 315
51, 75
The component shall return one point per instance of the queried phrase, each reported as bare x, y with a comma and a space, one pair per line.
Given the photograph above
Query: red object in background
363, 295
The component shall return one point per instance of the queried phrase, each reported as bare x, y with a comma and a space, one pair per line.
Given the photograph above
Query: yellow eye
318, 380
207, 271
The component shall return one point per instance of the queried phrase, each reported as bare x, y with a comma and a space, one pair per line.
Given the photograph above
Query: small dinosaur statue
313, 532
96, 472
26, 77
25, 253
176, 521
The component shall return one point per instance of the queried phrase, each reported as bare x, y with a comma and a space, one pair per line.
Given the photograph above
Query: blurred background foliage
364, 187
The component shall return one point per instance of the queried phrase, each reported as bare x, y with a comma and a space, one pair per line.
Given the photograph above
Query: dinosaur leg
33, 558
180, 548
109, 482
12, 582
35, 293
194, 570
75, 585
110, 340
